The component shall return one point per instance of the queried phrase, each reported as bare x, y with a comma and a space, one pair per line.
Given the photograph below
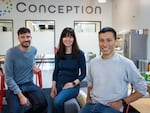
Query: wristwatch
73, 83
123, 102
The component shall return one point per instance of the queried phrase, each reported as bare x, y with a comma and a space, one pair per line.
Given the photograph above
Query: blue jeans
33, 93
97, 108
64, 95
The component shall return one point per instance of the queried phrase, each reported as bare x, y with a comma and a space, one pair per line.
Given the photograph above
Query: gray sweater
18, 67
110, 78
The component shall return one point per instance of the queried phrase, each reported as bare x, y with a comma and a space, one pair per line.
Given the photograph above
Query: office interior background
47, 19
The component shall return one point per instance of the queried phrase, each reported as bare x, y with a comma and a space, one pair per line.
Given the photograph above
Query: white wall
132, 14
127, 14
61, 19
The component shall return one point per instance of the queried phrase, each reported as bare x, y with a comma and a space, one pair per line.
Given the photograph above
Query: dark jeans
64, 95
97, 108
33, 93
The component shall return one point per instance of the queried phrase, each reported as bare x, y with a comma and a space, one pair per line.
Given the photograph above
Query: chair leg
39, 79
2, 88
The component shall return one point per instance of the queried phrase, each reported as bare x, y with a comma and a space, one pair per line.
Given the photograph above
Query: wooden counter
142, 105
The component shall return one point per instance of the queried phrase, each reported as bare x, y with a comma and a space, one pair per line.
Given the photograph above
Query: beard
25, 44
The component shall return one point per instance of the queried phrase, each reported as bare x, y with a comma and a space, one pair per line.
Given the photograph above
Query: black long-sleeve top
69, 68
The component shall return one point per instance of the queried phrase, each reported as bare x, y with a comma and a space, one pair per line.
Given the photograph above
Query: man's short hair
23, 30
108, 29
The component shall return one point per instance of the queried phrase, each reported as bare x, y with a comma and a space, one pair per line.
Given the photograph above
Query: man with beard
19, 64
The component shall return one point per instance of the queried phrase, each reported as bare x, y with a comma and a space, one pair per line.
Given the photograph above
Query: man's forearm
134, 96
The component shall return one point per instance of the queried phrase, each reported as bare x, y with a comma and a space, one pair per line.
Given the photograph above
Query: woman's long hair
61, 48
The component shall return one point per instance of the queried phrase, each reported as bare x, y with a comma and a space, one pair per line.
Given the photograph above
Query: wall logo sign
51, 8
5, 7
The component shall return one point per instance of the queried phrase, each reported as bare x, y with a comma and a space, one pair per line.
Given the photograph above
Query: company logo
5, 7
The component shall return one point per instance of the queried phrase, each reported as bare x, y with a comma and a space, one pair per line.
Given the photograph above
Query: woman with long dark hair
70, 70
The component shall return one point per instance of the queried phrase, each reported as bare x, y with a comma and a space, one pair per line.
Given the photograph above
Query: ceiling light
102, 1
